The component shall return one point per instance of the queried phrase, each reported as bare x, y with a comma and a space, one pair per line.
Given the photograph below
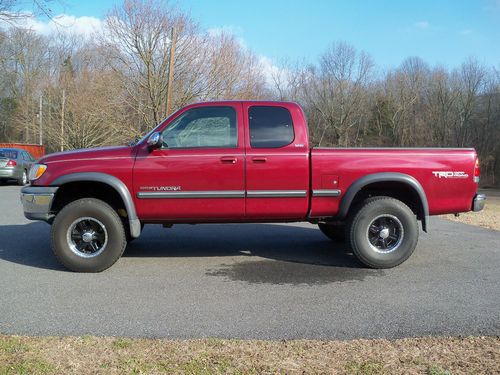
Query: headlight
36, 171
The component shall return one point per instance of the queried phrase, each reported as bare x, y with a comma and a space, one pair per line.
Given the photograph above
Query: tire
335, 232
23, 180
383, 232
88, 236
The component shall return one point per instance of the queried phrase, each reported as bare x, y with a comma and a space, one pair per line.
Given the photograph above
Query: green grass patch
26, 367
435, 370
364, 368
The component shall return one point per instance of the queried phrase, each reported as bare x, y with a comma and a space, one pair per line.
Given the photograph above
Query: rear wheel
88, 236
335, 232
383, 232
23, 180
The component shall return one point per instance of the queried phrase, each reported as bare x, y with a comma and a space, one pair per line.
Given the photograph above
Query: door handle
259, 159
228, 159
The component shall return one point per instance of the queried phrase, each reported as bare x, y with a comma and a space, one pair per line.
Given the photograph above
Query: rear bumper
478, 202
37, 201
12, 173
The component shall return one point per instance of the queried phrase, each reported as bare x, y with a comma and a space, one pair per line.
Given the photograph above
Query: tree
336, 90
138, 39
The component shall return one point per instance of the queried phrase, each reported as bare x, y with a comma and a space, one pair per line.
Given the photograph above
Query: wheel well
393, 189
73, 191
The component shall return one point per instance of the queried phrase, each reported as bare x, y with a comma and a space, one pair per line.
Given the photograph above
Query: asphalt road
249, 281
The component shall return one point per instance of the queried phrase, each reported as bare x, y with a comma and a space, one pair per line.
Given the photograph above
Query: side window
26, 156
270, 127
202, 127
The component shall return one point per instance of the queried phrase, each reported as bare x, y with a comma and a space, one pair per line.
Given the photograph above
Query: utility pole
62, 118
41, 121
173, 40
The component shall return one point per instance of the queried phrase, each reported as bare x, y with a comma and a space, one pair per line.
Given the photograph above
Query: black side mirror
155, 140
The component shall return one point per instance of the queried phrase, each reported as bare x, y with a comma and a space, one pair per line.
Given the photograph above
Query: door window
202, 127
270, 127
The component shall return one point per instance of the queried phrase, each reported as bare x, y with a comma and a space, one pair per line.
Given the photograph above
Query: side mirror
155, 140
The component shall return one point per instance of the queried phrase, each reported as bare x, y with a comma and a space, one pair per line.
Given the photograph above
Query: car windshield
9, 154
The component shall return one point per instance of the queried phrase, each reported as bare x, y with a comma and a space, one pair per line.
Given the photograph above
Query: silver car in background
15, 164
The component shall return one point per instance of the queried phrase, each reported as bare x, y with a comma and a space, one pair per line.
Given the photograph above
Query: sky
442, 32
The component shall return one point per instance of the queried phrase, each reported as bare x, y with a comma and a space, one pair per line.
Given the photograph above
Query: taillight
11, 163
477, 171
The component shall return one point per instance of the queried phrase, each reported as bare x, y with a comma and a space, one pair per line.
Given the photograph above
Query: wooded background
111, 87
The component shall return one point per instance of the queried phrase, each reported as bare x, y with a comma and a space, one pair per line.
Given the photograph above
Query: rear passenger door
277, 168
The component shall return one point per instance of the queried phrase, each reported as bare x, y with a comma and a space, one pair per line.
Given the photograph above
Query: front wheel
383, 232
88, 236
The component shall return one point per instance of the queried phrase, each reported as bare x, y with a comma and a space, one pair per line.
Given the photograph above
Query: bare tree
11, 11
470, 80
138, 40
336, 89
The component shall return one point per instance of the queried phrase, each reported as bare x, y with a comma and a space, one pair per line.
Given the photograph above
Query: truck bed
444, 194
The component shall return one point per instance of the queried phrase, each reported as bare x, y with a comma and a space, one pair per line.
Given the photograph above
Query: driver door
198, 174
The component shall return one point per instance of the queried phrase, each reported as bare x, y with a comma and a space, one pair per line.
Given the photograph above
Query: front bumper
37, 201
478, 202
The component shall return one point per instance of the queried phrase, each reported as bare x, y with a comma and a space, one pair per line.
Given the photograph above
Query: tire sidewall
101, 211
366, 215
23, 180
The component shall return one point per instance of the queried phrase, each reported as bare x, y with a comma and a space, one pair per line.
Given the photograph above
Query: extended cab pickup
245, 161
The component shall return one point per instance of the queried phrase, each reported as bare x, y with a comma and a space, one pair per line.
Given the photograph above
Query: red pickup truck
245, 161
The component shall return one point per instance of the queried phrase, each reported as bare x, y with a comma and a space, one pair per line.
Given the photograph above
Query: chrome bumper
37, 201
478, 202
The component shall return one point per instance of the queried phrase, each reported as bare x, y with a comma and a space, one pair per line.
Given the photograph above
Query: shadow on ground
286, 254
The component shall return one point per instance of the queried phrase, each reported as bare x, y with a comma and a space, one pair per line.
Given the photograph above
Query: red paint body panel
116, 161
443, 195
294, 167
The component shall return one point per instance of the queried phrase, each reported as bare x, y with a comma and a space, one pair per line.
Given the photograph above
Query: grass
104, 355
489, 217
434, 370
365, 368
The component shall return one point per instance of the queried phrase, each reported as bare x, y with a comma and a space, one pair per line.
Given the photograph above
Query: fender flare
406, 179
116, 184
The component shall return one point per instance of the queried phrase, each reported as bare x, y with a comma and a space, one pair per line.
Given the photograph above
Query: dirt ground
105, 355
489, 217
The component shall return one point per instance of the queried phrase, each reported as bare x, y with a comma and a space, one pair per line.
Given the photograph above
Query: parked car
245, 162
15, 165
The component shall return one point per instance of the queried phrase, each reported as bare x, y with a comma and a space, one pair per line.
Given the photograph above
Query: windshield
9, 154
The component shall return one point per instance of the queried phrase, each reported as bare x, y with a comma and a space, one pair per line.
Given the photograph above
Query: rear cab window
270, 127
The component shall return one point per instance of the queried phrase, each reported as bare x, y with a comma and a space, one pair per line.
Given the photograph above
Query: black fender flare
406, 179
116, 184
